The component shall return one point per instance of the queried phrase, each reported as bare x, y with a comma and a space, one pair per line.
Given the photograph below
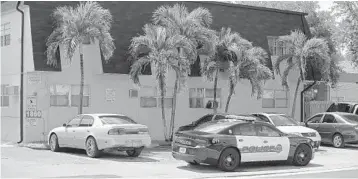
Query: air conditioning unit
12, 90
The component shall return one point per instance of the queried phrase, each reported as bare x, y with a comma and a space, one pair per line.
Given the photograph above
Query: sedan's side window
86, 121
329, 119
244, 130
75, 122
315, 119
266, 131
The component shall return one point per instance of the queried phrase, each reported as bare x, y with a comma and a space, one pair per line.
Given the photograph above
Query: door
327, 127
70, 131
314, 122
83, 131
275, 147
247, 140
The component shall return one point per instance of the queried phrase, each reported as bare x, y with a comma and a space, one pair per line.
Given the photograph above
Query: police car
229, 142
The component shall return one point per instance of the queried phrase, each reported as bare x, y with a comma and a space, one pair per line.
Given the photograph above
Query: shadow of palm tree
118, 156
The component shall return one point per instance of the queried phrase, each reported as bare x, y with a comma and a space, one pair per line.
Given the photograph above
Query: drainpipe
21, 73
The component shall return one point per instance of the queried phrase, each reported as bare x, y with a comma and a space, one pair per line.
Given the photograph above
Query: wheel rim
90, 147
337, 141
302, 156
229, 161
53, 142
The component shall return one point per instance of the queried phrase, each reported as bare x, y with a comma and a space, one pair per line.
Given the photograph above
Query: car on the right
347, 107
336, 128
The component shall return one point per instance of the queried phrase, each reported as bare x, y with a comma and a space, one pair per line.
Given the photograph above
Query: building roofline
252, 7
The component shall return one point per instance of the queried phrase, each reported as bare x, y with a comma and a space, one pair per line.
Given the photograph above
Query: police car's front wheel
229, 160
303, 155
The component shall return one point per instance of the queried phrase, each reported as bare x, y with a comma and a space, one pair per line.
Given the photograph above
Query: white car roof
104, 114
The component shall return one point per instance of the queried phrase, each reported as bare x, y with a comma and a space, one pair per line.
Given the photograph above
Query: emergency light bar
244, 118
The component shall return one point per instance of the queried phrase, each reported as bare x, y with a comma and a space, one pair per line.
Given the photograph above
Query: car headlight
297, 133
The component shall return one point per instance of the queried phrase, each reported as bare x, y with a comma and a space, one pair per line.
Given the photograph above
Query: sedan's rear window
116, 120
213, 127
351, 118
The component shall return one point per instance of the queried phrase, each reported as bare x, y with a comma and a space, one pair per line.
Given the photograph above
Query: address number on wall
33, 114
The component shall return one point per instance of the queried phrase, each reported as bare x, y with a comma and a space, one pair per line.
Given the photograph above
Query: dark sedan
335, 127
207, 118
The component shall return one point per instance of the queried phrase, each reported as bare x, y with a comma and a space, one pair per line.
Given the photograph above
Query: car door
327, 127
247, 140
70, 131
83, 131
275, 146
314, 122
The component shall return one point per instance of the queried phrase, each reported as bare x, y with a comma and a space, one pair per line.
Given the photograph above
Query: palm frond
279, 60
137, 67
202, 15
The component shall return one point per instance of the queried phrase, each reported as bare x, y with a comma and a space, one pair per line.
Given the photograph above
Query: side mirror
64, 125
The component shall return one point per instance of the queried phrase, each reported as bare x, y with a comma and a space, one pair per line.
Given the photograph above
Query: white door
275, 146
247, 142
70, 131
83, 131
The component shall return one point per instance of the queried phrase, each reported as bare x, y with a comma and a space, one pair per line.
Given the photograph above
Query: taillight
116, 132
143, 130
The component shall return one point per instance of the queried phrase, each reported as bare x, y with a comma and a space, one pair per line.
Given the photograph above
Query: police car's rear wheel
303, 155
229, 160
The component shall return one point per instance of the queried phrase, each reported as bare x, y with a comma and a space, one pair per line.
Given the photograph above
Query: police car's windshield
213, 127
283, 120
351, 118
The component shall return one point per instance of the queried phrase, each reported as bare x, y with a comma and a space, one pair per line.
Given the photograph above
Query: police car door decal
248, 148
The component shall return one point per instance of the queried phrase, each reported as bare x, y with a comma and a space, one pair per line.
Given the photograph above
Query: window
133, 93
204, 97
74, 122
315, 119
204, 119
275, 99
68, 95
328, 119
151, 99
266, 131
5, 99
283, 120
245, 130
262, 118
277, 47
116, 119
5, 34
86, 121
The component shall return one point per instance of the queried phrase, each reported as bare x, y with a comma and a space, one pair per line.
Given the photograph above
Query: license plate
134, 142
182, 150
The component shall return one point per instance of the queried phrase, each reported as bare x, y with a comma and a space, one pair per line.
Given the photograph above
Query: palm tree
303, 51
194, 26
251, 68
74, 26
163, 55
229, 48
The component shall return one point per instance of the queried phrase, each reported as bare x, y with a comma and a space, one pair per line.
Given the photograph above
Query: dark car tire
338, 141
229, 160
92, 148
303, 155
135, 152
54, 146
193, 163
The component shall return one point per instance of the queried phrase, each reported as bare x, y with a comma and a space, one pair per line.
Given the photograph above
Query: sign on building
33, 114
110, 95
34, 78
31, 103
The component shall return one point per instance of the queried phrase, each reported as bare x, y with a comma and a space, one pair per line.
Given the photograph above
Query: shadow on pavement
116, 156
247, 167
346, 147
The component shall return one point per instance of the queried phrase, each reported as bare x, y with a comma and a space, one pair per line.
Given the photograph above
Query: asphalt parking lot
23, 162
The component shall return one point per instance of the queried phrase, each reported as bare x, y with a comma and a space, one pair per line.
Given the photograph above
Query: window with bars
150, 98
5, 98
275, 99
204, 97
276, 47
5, 34
69, 95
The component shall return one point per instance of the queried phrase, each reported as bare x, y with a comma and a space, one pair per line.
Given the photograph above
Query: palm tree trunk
295, 98
174, 106
215, 87
163, 113
228, 101
82, 81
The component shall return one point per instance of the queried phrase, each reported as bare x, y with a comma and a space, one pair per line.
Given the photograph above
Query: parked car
96, 132
335, 128
287, 124
226, 144
344, 107
207, 118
